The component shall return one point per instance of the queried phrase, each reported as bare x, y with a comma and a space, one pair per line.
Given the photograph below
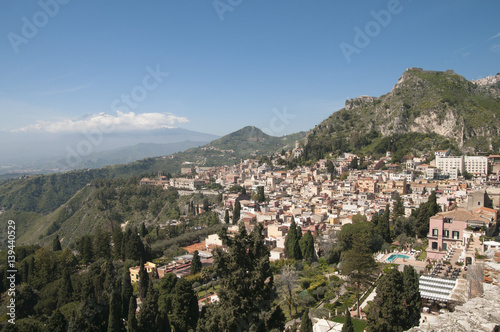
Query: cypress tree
226, 217
383, 226
114, 321
292, 243
149, 311
195, 263
134, 248
348, 327
184, 307
131, 319
299, 233
388, 313
143, 281
102, 248
143, 231
57, 322
65, 293
261, 197
236, 212
127, 291
307, 247
412, 299
117, 243
56, 244
398, 208
306, 323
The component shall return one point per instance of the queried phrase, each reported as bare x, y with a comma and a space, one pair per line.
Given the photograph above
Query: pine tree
127, 292
143, 281
348, 327
236, 212
114, 321
195, 263
358, 264
226, 217
307, 247
131, 319
306, 323
56, 244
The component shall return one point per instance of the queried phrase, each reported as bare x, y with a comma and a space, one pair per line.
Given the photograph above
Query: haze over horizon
217, 66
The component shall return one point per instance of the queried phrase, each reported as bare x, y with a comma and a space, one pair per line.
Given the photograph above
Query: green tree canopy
397, 303
246, 292
367, 230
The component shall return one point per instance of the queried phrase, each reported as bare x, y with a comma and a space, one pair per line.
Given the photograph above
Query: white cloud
495, 36
120, 122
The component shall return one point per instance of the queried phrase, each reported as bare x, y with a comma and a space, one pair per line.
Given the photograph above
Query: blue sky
276, 64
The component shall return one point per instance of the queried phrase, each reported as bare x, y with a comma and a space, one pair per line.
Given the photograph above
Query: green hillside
45, 193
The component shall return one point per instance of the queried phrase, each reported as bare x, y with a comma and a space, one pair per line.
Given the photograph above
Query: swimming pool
392, 257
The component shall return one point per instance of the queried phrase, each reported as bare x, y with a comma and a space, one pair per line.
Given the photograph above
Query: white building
471, 164
476, 165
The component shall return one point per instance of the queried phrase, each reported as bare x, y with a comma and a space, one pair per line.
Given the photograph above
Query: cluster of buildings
180, 266
318, 201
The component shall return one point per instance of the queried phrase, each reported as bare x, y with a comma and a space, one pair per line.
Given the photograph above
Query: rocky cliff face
425, 102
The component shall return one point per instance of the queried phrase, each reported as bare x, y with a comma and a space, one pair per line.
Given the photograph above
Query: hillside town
333, 193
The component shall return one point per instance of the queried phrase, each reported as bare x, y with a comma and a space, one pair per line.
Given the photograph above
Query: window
455, 235
435, 232
434, 245
446, 233
445, 246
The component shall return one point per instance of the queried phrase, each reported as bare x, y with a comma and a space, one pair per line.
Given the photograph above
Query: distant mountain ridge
45, 152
